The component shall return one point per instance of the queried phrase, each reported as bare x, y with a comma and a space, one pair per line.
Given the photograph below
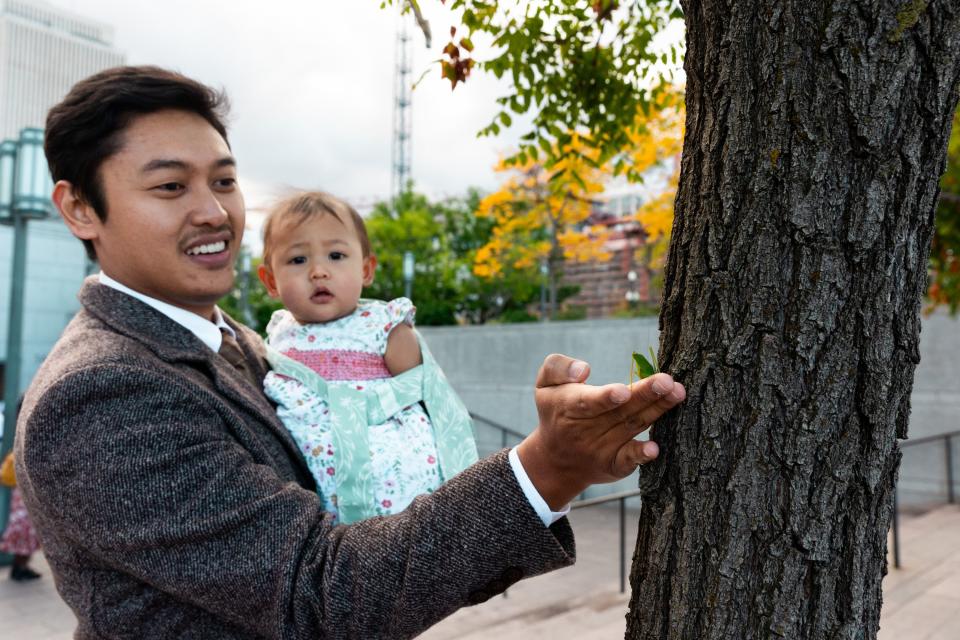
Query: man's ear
79, 216
269, 281
369, 269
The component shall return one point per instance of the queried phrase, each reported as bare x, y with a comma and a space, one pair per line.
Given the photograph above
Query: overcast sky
311, 84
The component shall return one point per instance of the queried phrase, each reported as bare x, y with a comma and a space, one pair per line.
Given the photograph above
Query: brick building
622, 281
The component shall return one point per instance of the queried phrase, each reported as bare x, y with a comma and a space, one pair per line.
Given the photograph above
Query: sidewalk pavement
921, 601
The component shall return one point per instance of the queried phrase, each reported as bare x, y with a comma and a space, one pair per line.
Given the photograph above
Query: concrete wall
494, 367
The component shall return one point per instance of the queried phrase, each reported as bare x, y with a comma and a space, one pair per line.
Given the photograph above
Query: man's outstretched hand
586, 433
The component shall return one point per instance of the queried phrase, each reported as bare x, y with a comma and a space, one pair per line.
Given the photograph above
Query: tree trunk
816, 133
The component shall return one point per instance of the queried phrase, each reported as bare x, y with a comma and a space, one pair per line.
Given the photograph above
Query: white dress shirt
209, 334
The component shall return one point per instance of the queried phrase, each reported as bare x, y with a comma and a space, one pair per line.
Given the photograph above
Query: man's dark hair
87, 127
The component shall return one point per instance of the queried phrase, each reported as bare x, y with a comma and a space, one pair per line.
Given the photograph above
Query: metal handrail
504, 431
948, 469
951, 499
909, 443
592, 502
623, 496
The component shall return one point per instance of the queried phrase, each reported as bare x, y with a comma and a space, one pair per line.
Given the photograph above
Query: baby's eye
297, 260
337, 255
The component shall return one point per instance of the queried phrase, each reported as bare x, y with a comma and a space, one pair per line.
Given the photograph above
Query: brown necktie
232, 353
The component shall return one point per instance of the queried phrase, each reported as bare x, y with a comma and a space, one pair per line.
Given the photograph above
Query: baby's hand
403, 350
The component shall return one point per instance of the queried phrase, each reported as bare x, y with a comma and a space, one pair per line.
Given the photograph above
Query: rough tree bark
816, 133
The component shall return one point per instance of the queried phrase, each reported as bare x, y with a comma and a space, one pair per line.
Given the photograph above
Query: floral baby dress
349, 353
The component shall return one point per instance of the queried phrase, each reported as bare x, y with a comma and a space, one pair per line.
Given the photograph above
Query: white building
43, 52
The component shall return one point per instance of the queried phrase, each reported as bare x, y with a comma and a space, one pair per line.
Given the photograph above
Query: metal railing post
622, 499
948, 448
896, 530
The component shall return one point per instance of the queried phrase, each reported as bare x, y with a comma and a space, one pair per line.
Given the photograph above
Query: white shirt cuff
533, 496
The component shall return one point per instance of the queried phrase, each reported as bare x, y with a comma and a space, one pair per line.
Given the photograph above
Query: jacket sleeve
142, 472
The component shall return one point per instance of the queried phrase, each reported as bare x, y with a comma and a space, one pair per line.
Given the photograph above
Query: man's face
175, 214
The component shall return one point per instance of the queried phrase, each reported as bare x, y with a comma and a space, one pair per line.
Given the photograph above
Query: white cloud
311, 84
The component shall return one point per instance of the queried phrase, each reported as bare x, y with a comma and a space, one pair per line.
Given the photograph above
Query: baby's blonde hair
301, 207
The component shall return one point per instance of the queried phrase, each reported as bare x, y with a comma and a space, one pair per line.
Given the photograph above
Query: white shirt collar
208, 332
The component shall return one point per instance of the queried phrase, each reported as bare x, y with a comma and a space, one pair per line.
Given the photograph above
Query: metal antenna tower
402, 113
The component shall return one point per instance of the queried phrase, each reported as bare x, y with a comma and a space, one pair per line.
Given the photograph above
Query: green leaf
653, 359
545, 145
643, 366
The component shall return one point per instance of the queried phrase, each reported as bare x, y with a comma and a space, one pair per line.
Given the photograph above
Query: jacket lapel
236, 386
174, 343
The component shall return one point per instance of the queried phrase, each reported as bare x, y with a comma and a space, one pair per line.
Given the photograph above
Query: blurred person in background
19, 538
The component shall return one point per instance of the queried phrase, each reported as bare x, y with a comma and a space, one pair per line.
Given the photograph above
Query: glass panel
8, 153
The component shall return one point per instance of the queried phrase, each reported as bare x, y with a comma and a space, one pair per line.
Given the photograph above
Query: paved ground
921, 601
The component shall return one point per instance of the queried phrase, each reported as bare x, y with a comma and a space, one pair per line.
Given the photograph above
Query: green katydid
642, 367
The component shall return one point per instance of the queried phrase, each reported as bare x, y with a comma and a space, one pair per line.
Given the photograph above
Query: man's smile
211, 250
214, 247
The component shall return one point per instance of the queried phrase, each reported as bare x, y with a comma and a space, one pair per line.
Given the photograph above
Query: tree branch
421, 21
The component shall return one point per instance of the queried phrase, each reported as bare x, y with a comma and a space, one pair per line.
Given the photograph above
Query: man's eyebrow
163, 163
172, 163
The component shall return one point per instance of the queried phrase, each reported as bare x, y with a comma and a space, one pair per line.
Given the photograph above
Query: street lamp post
25, 189
544, 272
246, 265
408, 270
632, 295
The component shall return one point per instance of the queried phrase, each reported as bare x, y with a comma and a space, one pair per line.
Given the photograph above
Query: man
169, 499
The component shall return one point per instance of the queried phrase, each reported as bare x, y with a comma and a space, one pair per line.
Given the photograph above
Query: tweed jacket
171, 502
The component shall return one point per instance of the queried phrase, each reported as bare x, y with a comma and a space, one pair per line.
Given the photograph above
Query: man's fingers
592, 402
652, 389
633, 453
558, 369
644, 402
654, 396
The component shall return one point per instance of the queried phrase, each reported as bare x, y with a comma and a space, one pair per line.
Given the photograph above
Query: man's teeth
215, 247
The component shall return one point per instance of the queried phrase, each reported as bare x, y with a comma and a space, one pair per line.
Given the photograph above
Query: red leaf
452, 50
605, 8
453, 31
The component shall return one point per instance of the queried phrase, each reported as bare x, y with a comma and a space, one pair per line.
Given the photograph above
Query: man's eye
337, 255
170, 187
226, 183
297, 260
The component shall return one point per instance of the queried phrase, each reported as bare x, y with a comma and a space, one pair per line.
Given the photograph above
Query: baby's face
317, 268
